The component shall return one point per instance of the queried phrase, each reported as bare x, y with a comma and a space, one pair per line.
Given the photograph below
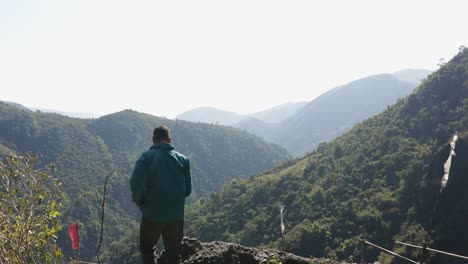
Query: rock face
196, 252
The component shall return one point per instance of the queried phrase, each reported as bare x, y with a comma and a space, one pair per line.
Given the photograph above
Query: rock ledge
217, 252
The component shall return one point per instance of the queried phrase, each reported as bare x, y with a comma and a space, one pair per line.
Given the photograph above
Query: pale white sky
166, 57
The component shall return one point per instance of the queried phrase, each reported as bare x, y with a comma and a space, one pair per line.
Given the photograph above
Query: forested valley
87, 150
381, 179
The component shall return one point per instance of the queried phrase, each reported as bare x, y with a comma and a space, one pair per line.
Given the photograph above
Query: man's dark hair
161, 133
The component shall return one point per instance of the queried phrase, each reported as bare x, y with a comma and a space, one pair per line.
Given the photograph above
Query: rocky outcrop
196, 252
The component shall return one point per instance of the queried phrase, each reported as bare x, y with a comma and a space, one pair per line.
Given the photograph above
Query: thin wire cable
390, 252
431, 249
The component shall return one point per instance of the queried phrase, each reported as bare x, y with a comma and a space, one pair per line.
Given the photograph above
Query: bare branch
103, 203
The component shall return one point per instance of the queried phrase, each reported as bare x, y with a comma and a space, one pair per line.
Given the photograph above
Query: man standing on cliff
161, 180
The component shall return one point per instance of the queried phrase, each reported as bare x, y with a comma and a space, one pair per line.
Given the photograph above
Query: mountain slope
383, 176
89, 149
258, 127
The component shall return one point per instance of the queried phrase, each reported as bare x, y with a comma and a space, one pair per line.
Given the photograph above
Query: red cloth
75, 238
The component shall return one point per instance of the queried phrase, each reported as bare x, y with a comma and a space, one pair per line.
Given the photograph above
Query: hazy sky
166, 57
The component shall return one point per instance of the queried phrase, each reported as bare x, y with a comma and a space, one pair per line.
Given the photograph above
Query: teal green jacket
160, 182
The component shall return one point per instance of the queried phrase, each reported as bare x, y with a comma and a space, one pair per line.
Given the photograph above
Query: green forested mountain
383, 175
88, 149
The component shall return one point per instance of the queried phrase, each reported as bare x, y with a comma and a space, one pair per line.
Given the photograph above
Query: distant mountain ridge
45, 110
210, 115
69, 114
213, 115
333, 113
337, 110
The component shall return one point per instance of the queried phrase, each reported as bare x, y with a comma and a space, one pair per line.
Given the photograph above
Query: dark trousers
172, 233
